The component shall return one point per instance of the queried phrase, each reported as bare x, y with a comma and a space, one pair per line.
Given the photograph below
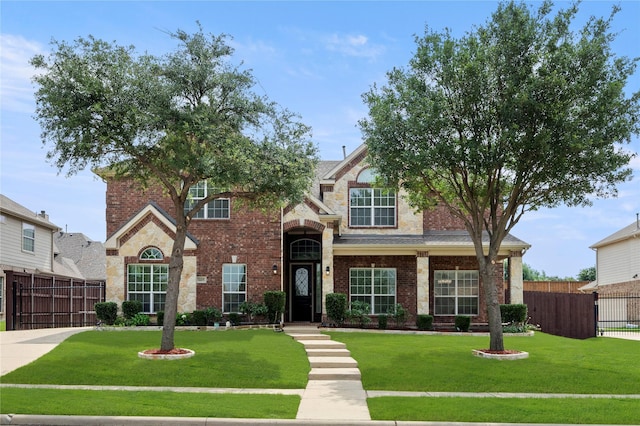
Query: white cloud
16, 91
353, 45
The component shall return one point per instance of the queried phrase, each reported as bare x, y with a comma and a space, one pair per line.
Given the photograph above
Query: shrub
424, 322
106, 312
382, 322
515, 313
138, 319
184, 318
336, 307
462, 322
359, 313
254, 310
275, 301
199, 317
400, 315
160, 317
130, 308
234, 318
213, 315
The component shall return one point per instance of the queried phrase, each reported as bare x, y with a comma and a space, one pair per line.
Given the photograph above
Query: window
456, 292
215, 209
234, 286
148, 282
305, 249
371, 206
375, 286
28, 237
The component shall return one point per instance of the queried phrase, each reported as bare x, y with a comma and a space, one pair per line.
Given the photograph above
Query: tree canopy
518, 114
174, 120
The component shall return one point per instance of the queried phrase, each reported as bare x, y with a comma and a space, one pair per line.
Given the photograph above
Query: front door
302, 291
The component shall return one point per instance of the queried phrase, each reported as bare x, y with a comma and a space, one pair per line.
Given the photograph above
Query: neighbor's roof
87, 255
633, 230
11, 208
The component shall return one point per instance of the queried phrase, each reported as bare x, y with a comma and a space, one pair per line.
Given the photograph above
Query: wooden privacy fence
38, 301
563, 314
554, 286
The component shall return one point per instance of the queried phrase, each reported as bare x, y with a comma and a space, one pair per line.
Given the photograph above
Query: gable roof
154, 209
11, 208
630, 231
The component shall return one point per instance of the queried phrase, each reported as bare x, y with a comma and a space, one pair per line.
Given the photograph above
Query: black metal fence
618, 313
35, 301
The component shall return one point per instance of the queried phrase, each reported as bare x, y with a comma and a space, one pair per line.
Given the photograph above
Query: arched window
305, 249
152, 253
367, 175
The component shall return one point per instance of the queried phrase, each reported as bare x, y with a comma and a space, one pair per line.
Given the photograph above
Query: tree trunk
493, 306
176, 264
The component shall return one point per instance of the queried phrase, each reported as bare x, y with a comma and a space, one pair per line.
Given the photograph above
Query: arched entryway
303, 277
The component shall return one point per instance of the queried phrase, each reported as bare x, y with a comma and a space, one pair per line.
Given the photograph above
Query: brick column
422, 282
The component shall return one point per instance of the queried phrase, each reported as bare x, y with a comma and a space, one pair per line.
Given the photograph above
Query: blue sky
315, 58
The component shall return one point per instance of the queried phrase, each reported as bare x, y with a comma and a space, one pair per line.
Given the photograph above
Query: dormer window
370, 206
214, 209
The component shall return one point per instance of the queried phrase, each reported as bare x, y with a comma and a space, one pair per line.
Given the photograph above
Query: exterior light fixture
327, 270
275, 269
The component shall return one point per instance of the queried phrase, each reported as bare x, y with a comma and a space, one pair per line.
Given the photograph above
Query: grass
507, 410
445, 364
238, 359
145, 403
3, 326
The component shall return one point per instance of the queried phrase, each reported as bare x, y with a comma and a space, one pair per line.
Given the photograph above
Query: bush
336, 307
462, 322
160, 318
138, 319
254, 310
213, 315
359, 313
515, 314
130, 308
275, 301
199, 317
382, 322
106, 312
184, 318
400, 315
234, 318
424, 322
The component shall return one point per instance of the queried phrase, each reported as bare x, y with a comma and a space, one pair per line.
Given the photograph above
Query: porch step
322, 344
328, 352
334, 374
332, 362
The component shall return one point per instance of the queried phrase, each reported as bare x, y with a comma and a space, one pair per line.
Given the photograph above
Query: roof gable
633, 230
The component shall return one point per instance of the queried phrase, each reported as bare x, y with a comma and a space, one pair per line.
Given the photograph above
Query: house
347, 236
88, 256
618, 261
29, 250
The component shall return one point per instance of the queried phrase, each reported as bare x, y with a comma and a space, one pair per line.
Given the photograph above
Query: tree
587, 274
175, 121
517, 114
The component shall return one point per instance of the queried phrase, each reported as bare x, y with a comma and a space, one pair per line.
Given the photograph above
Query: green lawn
445, 364
223, 359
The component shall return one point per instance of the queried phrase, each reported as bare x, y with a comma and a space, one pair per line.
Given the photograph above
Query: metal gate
48, 302
618, 314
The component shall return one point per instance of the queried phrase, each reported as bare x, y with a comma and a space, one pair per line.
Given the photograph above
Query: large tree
518, 114
173, 121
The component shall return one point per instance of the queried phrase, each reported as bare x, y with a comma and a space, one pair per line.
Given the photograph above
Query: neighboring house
347, 236
618, 261
28, 244
88, 256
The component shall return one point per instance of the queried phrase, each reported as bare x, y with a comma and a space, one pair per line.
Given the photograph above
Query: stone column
515, 277
327, 260
422, 282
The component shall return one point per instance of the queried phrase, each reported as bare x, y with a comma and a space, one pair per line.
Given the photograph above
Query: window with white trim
148, 282
369, 206
234, 286
456, 292
214, 209
374, 286
28, 237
